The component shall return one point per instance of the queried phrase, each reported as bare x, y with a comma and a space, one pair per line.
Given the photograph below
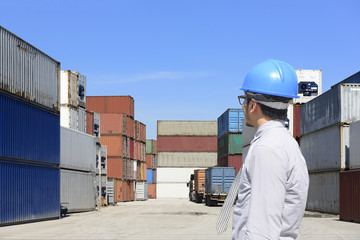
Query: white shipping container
354, 145
69, 88
187, 159
309, 76
82, 119
172, 190
77, 150
323, 194
81, 89
77, 190
28, 72
187, 128
174, 175
141, 191
326, 149
247, 134
69, 117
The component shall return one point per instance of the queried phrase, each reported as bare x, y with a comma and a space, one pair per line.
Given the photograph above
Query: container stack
29, 132
139, 145
183, 146
325, 142
151, 162
73, 100
230, 139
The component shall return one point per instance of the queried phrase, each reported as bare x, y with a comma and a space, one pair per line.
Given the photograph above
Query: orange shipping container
113, 123
130, 127
199, 180
152, 191
114, 145
150, 161
137, 130
115, 167
142, 132
90, 123
111, 104
119, 191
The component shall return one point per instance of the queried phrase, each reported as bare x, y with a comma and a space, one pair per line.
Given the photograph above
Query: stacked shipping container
183, 146
29, 132
151, 163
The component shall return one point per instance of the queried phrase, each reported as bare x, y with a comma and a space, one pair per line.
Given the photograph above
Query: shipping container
187, 128
326, 149
27, 72
69, 117
150, 176
172, 190
142, 171
137, 150
296, 125
187, 144
340, 104
111, 104
314, 76
137, 130
150, 146
78, 150
218, 180
28, 132
93, 123
142, 132
199, 180
187, 159
141, 191
323, 193
248, 134
119, 190
110, 191
350, 196
77, 190
114, 145
152, 191
125, 170
143, 151
128, 147
103, 187
102, 159
115, 167
113, 123
28, 192
230, 122
174, 175
354, 162
82, 120
81, 89
150, 161
231, 161
129, 127
132, 148
229, 144
134, 170
69, 89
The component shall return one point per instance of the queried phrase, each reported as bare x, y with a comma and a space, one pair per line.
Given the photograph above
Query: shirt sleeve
267, 175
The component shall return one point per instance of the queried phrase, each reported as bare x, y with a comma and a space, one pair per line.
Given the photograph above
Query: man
274, 179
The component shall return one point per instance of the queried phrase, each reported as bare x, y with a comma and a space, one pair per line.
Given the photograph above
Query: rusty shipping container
150, 161
129, 127
111, 104
114, 145
142, 132
115, 167
187, 143
113, 123
137, 150
152, 190
132, 149
119, 194
231, 161
350, 196
187, 128
199, 180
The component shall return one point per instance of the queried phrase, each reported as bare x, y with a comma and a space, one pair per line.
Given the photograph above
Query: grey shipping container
77, 150
354, 162
82, 120
323, 194
77, 190
326, 149
340, 104
141, 191
27, 72
187, 128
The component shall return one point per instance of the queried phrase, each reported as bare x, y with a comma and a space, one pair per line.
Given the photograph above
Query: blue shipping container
28, 132
230, 122
218, 180
150, 175
28, 192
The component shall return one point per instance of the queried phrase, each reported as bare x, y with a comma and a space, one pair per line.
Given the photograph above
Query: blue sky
185, 60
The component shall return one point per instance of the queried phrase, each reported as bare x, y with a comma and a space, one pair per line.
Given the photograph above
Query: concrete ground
161, 219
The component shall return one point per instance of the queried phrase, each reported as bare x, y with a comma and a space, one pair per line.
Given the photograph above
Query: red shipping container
119, 195
231, 161
112, 123
137, 150
150, 161
130, 127
350, 196
90, 123
296, 120
131, 148
152, 191
111, 104
142, 132
187, 144
115, 167
114, 145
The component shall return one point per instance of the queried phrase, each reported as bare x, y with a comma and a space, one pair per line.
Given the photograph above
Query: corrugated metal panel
142, 132
323, 194
218, 180
150, 146
103, 160
230, 122
69, 117
296, 125
248, 134
77, 190
327, 149
69, 89
113, 123
141, 191
150, 175
114, 145
354, 145
28, 72
129, 127
28, 192
340, 104
150, 161
174, 175
81, 89
187, 128
151, 191
199, 180
115, 167
103, 187
187, 159
230, 144
350, 196
132, 148
231, 161
110, 191
172, 190
78, 150
111, 104
90, 123
28, 132
82, 120
187, 144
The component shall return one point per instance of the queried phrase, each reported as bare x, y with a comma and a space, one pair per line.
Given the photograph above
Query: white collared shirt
273, 186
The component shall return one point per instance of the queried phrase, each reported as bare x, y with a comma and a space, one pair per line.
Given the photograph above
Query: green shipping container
150, 146
230, 144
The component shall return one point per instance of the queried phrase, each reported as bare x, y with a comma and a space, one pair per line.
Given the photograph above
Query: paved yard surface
160, 219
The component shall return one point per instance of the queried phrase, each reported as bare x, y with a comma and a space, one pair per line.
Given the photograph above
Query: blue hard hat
272, 77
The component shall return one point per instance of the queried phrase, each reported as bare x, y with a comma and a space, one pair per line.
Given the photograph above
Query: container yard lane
161, 219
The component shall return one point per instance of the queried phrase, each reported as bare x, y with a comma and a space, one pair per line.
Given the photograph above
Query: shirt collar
266, 126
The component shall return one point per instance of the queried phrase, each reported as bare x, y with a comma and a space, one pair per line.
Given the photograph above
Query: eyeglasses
242, 99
